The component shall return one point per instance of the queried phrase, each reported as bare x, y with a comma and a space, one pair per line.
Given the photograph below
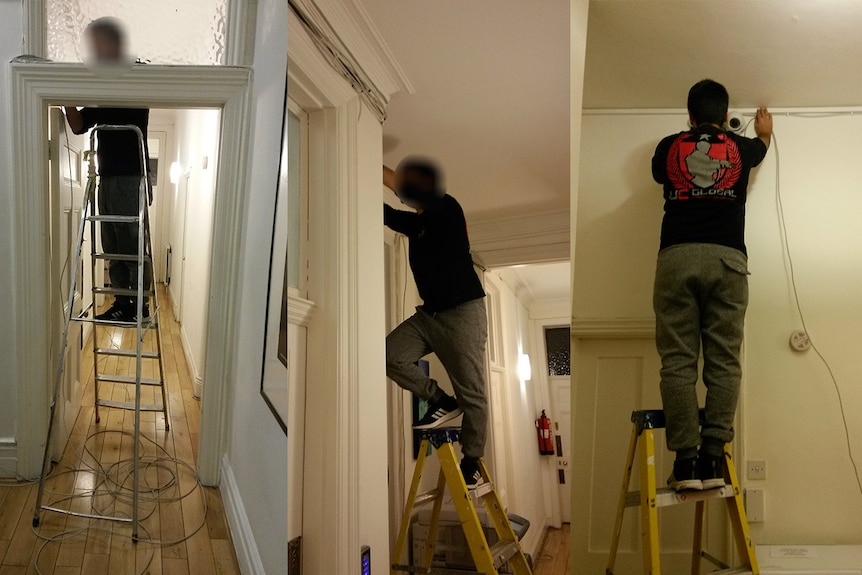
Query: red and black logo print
701, 162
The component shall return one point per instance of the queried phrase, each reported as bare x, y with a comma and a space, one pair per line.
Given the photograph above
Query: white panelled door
68, 177
561, 415
614, 378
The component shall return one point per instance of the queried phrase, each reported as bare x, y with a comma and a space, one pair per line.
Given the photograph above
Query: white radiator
810, 559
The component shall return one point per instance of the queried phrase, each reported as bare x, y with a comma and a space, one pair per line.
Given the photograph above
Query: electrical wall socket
755, 504
757, 469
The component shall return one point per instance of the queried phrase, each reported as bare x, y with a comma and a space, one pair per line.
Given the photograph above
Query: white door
561, 415
615, 377
67, 180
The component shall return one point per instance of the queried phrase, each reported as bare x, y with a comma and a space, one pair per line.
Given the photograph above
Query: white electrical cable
792, 272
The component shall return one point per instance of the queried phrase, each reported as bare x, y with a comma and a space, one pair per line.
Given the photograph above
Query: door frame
35, 86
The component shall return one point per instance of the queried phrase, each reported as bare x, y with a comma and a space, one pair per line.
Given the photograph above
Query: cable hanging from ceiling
337, 55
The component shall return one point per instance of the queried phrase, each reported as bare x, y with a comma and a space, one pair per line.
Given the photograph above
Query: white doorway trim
36, 86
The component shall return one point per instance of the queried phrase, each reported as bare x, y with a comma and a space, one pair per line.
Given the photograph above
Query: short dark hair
424, 168
707, 102
110, 28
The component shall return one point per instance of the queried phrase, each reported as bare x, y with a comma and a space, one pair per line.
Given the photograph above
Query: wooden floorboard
553, 559
108, 548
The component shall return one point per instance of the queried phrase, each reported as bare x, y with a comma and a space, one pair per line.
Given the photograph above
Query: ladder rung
434, 570
146, 324
119, 257
114, 219
667, 497
481, 491
502, 551
120, 291
733, 571
128, 379
128, 405
126, 352
426, 497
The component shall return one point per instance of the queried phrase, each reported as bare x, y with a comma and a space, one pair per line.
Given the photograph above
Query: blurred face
415, 189
103, 48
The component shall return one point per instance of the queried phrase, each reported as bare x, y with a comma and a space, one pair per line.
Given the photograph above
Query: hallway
555, 555
186, 522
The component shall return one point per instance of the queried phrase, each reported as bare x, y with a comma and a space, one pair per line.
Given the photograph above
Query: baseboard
533, 545
247, 553
8, 458
197, 379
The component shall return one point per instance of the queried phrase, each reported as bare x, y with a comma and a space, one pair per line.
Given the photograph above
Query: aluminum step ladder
650, 498
141, 325
488, 559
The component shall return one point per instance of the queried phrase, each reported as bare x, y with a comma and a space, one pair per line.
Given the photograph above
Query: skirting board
197, 380
247, 554
8, 458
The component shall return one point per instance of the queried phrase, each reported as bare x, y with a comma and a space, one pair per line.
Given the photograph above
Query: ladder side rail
398, 550
649, 511
621, 508
502, 526
431, 541
73, 278
738, 518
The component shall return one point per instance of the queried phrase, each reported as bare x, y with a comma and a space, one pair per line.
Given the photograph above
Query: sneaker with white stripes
441, 411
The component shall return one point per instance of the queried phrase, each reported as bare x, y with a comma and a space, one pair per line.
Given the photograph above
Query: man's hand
76, 121
763, 125
390, 180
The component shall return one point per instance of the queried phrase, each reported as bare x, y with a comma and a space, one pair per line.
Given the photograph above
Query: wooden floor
184, 530
553, 559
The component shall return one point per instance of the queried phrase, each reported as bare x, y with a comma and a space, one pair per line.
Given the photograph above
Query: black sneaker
710, 470
470, 470
443, 410
119, 312
685, 475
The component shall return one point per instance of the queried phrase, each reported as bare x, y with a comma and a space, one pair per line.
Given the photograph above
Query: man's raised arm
389, 178
763, 125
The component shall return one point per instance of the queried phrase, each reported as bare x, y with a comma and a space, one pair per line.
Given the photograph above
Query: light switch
757, 469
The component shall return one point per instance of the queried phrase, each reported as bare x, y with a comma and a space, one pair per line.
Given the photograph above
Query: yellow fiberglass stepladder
488, 559
650, 499
141, 325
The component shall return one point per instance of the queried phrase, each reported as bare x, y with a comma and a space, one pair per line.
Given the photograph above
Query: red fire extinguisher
543, 427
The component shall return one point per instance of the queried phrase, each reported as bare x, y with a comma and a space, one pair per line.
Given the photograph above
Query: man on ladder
701, 283
120, 171
452, 321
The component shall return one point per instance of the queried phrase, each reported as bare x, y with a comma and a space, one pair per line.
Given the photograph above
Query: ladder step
119, 257
146, 324
128, 379
126, 352
426, 497
128, 405
502, 551
667, 497
120, 291
480, 491
435, 570
733, 571
114, 219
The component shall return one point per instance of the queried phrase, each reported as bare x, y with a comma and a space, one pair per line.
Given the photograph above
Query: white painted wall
197, 136
257, 454
11, 33
790, 413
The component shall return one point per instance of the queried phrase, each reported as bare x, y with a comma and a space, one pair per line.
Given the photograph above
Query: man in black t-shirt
701, 283
452, 321
120, 173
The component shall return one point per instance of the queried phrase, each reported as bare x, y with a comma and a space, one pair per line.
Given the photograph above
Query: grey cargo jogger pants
458, 337
700, 298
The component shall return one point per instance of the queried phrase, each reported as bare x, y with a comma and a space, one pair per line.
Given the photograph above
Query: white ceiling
781, 53
492, 98
542, 281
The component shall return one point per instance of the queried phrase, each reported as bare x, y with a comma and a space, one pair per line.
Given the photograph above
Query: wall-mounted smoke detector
735, 123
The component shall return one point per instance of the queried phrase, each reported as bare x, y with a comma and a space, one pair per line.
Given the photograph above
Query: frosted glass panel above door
159, 31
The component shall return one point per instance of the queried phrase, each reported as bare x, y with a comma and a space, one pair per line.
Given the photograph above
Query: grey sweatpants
118, 196
700, 298
458, 337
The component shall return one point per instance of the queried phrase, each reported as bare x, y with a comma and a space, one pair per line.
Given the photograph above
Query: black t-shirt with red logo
705, 176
